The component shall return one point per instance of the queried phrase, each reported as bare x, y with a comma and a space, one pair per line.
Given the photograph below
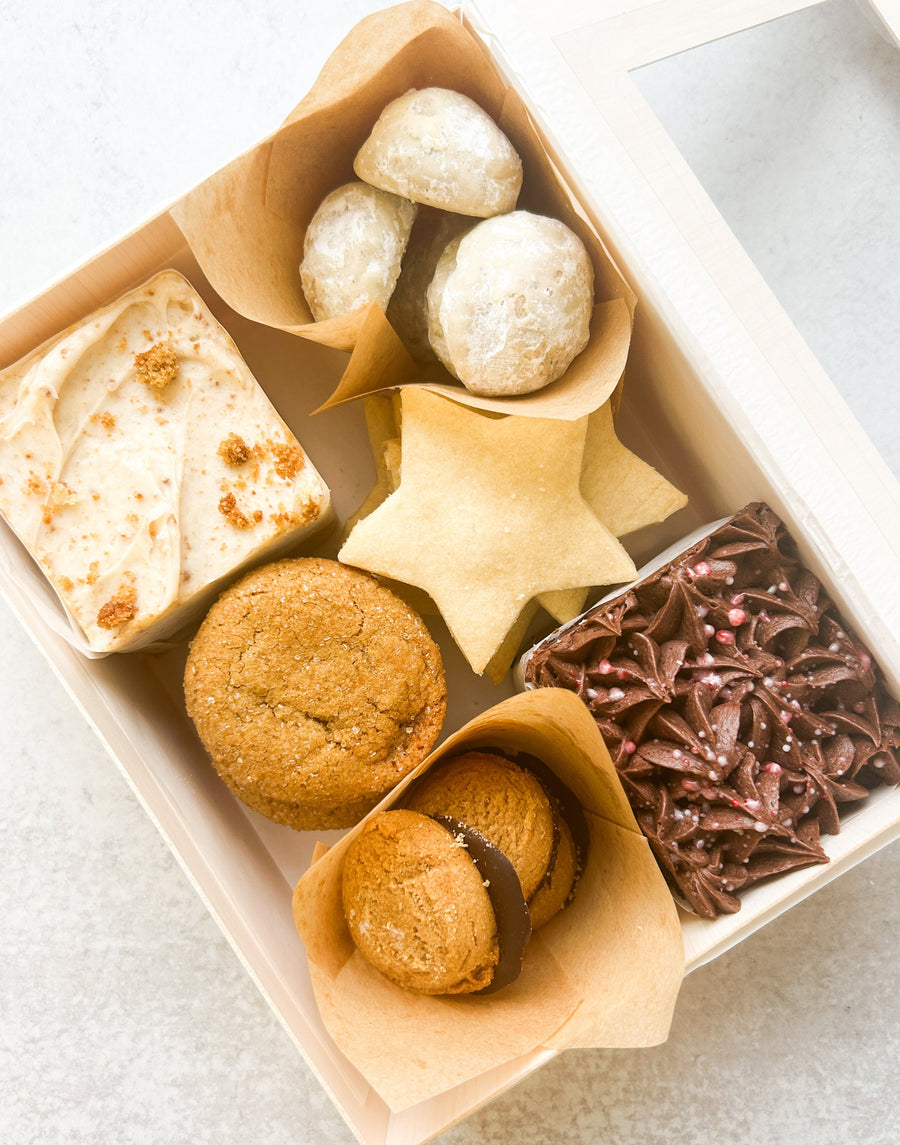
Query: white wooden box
714, 357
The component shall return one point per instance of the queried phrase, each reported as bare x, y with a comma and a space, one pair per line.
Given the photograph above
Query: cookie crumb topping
234, 451
119, 609
228, 507
157, 366
307, 512
60, 496
289, 460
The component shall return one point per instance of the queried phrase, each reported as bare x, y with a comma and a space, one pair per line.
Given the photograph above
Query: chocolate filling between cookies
511, 909
564, 805
505, 892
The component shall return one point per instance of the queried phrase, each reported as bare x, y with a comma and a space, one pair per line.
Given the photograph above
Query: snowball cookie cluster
440, 148
353, 249
510, 304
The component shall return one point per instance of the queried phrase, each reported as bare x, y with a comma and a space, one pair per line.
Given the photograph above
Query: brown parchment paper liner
605, 972
245, 224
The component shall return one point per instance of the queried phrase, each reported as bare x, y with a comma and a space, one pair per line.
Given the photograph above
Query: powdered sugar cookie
353, 248
438, 147
510, 304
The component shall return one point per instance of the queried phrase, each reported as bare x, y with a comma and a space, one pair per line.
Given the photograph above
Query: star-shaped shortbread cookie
487, 516
625, 492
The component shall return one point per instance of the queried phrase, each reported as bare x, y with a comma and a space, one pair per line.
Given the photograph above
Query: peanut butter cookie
553, 893
502, 801
315, 690
416, 906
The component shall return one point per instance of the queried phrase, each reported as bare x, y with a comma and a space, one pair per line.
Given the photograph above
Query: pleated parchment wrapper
605, 972
246, 224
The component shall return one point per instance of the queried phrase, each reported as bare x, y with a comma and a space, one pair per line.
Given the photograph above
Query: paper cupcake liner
605, 972
246, 224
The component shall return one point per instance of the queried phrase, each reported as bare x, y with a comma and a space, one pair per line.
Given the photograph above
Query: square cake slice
141, 464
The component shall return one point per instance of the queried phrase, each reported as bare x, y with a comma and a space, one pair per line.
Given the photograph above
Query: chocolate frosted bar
739, 708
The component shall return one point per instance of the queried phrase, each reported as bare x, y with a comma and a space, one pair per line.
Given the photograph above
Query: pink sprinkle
736, 616
859, 707
604, 667
774, 769
621, 674
690, 785
786, 717
725, 637
784, 586
738, 598
702, 568
629, 747
865, 661
708, 629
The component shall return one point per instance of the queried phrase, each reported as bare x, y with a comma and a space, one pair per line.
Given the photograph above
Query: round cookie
554, 890
503, 802
315, 690
440, 148
510, 304
416, 906
353, 249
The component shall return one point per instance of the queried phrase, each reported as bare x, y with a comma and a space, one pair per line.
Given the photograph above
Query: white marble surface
124, 1015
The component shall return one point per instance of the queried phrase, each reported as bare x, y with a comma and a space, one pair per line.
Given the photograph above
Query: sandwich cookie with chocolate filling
433, 905
523, 809
435, 894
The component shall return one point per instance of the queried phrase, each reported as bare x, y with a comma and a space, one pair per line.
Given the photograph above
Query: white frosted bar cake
141, 464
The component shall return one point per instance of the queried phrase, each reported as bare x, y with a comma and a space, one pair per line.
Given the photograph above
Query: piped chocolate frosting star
741, 711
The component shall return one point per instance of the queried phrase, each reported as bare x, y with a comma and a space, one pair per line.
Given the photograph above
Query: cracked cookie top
315, 690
